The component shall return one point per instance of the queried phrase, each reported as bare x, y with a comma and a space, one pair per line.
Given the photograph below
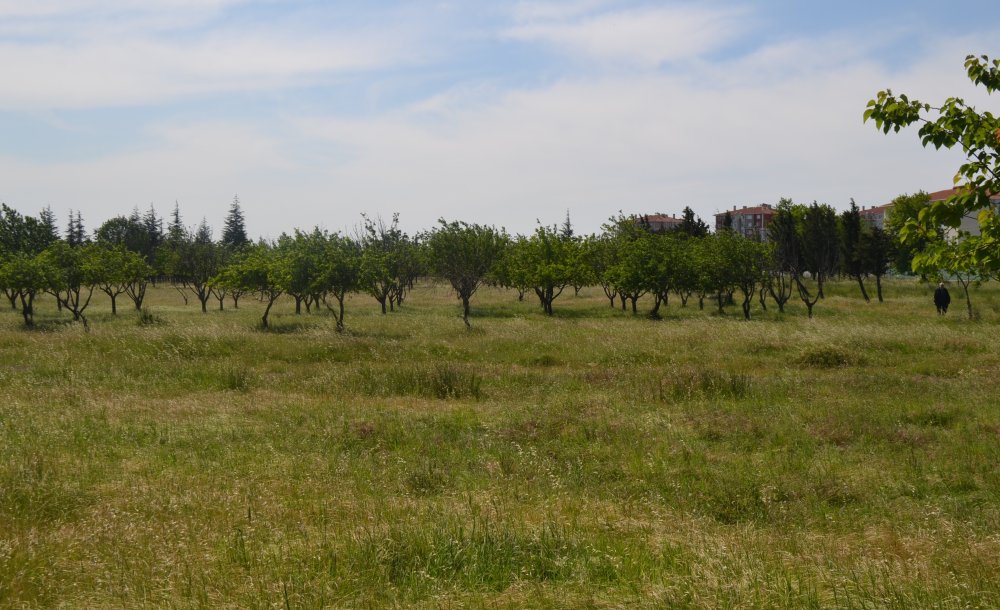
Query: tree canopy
950, 124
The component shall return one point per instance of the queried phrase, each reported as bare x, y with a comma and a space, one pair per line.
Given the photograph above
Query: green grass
171, 458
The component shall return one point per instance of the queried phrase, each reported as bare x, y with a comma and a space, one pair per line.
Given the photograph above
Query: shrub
147, 318
827, 357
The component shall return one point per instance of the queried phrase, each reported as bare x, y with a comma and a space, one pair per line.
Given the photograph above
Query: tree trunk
465, 311
611, 294
267, 311
654, 313
861, 284
878, 288
114, 304
27, 309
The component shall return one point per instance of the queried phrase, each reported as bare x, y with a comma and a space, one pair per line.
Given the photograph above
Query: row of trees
318, 269
806, 246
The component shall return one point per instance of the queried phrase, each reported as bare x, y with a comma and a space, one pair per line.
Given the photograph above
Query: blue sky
506, 112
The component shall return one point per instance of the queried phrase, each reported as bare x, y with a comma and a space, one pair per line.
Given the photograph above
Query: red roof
760, 209
942, 195
663, 218
880, 209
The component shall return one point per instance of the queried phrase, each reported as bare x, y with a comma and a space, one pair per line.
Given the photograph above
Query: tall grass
590, 459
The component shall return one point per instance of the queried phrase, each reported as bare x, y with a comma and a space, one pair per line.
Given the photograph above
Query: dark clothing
942, 299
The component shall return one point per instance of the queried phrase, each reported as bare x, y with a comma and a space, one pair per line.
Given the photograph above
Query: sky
509, 112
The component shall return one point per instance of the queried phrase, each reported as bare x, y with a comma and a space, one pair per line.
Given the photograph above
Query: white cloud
57, 55
783, 121
646, 36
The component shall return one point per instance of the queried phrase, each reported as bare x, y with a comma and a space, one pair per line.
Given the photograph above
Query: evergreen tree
692, 225
566, 231
175, 230
76, 234
153, 226
203, 234
234, 233
47, 220
852, 256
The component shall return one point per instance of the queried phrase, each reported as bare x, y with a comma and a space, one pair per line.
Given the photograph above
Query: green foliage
234, 231
142, 235
547, 262
25, 276
745, 265
390, 262
691, 225
905, 207
465, 254
194, 262
951, 124
264, 269
24, 234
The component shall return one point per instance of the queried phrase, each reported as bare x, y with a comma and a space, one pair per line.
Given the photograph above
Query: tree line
806, 246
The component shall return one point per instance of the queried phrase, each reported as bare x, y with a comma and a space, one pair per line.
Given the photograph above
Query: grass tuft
828, 357
441, 381
145, 317
237, 378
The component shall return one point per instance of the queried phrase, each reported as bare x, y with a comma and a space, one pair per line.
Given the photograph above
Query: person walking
942, 299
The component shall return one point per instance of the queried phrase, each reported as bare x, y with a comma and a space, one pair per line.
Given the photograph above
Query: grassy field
592, 459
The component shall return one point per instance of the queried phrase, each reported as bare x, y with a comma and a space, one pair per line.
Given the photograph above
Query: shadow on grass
284, 328
48, 325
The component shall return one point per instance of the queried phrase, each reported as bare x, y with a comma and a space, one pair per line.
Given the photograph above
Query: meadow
589, 459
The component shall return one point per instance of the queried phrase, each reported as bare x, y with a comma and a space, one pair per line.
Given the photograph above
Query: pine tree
70, 232
692, 225
566, 231
203, 235
153, 225
175, 230
76, 234
81, 232
234, 233
47, 220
